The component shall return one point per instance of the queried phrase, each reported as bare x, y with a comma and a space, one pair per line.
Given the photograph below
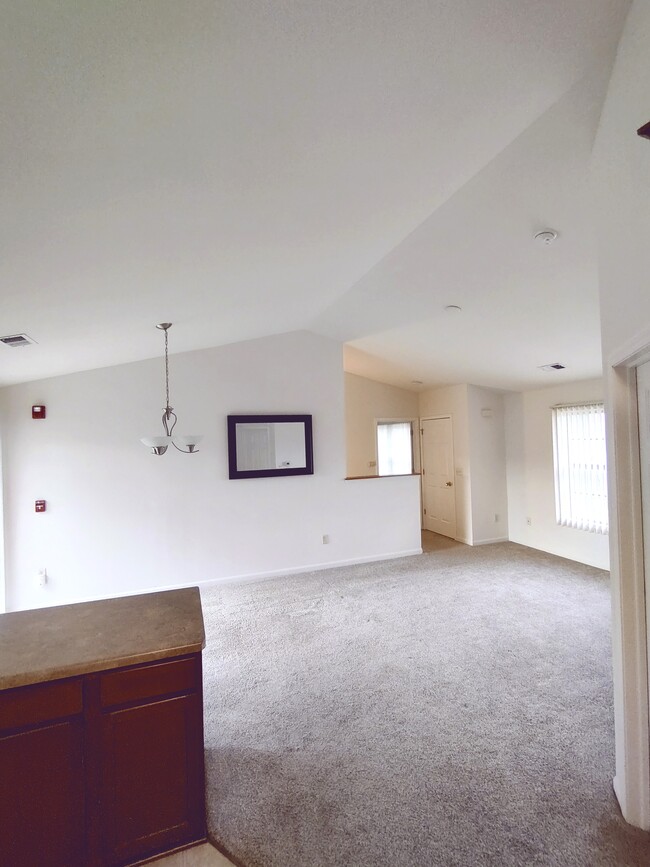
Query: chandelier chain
166, 369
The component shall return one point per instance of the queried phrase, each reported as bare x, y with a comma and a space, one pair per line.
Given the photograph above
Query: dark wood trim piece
197, 748
395, 476
153, 858
92, 748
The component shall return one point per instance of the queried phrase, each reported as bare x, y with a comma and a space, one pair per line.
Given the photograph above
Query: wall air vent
14, 340
555, 366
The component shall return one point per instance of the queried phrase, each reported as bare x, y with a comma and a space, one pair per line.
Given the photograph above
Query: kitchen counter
51, 643
101, 731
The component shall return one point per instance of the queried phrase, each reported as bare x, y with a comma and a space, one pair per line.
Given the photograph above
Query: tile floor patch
199, 856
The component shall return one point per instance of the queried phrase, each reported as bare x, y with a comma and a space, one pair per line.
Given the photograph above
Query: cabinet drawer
43, 702
149, 681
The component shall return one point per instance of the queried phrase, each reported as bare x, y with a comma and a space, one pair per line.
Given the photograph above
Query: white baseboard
249, 577
642, 820
489, 541
296, 570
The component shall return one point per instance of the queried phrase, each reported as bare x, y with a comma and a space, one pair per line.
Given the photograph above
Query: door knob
449, 484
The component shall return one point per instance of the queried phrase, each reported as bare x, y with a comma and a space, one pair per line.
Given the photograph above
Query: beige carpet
448, 709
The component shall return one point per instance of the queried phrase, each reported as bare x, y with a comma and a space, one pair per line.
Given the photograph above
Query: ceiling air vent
17, 340
555, 366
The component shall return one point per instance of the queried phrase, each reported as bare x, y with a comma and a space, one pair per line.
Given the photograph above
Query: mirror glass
261, 446
270, 446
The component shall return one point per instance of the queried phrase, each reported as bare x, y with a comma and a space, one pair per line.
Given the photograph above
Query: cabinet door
152, 791
41, 796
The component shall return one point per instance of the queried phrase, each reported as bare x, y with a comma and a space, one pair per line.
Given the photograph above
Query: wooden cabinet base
103, 770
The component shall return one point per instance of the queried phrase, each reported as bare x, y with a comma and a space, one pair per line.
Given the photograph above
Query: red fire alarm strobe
38, 411
39, 505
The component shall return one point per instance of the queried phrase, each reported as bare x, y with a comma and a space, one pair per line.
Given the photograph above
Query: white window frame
414, 452
580, 462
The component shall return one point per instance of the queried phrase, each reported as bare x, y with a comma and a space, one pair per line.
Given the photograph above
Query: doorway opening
438, 492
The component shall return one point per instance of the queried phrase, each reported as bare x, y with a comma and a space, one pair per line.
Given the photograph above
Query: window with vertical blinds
580, 467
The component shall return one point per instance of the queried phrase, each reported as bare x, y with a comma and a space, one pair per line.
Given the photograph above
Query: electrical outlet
326, 539
41, 578
529, 522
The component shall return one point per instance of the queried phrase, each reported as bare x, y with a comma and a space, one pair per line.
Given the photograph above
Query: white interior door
438, 492
643, 401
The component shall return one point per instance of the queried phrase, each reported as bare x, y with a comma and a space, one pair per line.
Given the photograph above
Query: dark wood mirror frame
234, 420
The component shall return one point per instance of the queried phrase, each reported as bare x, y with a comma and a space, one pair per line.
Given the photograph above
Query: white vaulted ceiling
348, 167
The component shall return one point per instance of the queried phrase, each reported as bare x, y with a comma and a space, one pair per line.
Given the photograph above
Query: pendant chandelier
159, 445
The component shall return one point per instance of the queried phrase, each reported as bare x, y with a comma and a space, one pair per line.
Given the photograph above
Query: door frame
630, 586
453, 463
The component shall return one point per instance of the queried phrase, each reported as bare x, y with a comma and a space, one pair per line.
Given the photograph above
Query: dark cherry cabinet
41, 778
151, 759
103, 769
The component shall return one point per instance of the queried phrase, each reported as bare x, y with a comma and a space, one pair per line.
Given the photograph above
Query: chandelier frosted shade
160, 444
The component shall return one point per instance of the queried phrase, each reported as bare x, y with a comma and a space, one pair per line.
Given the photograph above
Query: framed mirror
260, 446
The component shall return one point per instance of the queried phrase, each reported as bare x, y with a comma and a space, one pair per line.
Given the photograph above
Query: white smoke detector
545, 238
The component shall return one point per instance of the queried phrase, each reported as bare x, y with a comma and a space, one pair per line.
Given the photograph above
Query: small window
394, 448
580, 467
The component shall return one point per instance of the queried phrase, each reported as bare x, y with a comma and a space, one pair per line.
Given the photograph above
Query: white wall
622, 176
3, 592
531, 475
622, 184
121, 520
487, 465
479, 445
452, 400
365, 402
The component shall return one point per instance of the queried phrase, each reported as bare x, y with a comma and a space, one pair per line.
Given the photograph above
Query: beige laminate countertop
51, 643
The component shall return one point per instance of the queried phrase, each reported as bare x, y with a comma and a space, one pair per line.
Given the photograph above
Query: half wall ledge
394, 476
